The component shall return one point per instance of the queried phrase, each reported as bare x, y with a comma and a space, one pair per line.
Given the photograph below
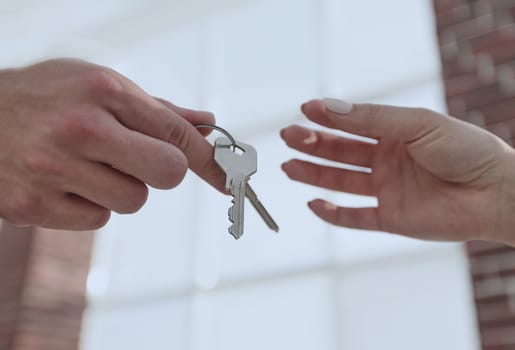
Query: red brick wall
42, 287
477, 40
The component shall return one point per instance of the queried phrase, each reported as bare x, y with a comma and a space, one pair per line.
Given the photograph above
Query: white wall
170, 277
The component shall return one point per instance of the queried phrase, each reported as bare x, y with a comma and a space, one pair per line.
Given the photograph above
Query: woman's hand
435, 177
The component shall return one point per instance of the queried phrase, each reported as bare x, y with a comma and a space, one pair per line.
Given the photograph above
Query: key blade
260, 208
236, 211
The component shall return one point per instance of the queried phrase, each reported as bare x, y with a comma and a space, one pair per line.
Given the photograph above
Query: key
260, 208
239, 168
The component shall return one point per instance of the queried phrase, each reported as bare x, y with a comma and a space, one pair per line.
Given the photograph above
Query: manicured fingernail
330, 206
307, 136
310, 139
301, 134
322, 204
338, 106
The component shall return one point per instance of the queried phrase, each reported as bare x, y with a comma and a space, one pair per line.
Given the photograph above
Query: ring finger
106, 186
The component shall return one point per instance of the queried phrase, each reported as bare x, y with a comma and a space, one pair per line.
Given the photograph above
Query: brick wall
42, 287
477, 40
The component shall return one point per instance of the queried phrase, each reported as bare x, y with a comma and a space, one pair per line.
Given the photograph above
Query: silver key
260, 208
237, 183
238, 169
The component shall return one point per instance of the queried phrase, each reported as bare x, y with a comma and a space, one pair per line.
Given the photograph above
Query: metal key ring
221, 130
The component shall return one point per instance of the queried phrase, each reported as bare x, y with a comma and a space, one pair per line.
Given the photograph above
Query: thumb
373, 120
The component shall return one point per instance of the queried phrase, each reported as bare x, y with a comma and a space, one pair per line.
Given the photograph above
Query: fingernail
330, 206
322, 204
304, 135
338, 106
311, 138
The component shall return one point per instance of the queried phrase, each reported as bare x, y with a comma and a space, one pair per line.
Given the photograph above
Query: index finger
194, 117
373, 120
138, 111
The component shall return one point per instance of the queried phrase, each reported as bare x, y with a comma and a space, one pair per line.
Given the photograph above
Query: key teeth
230, 214
231, 231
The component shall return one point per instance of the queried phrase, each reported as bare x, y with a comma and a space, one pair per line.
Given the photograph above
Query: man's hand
435, 177
78, 141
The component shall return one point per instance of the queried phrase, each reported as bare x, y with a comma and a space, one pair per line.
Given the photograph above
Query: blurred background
171, 277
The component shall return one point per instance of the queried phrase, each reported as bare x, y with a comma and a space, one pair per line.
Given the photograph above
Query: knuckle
421, 120
25, 209
77, 126
177, 134
101, 81
323, 178
426, 116
336, 147
372, 110
418, 111
39, 163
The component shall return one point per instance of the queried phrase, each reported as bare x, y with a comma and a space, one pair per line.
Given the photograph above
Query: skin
78, 141
435, 177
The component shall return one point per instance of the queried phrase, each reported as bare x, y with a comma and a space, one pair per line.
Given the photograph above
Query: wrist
7, 73
4, 83
8, 84
6, 79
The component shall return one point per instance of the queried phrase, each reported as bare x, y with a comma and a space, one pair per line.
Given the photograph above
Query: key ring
221, 130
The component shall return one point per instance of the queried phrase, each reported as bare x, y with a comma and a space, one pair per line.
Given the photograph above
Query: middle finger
329, 177
329, 146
